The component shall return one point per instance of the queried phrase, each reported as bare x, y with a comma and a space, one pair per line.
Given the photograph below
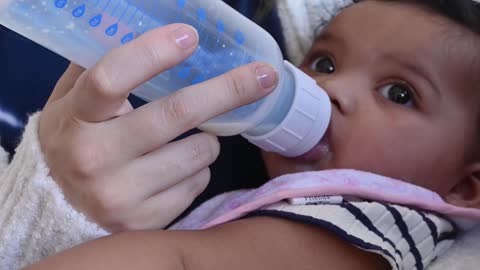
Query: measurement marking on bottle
181, 3
131, 18
115, 8
106, 5
220, 30
96, 20
124, 12
112, 30
256, 52
146, 22
140, 22
239, 37
60, 3
127, 38
78, 11
198, 79
150, 25
202, 14
184, 73
220, 27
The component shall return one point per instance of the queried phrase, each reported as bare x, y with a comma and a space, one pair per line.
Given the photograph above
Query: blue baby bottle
290, 121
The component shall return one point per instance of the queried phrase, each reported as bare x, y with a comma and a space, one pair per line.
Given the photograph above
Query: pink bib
233, 205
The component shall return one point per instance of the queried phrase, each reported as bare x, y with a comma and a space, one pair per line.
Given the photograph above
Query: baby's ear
467, 192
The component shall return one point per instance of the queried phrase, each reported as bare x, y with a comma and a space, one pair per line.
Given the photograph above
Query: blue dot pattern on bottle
79, 11
220, 27
127, 38
181, 3
184, 73
199, 78
60, 3
239, 38
96, 20
112, 30
202, 14
196, 69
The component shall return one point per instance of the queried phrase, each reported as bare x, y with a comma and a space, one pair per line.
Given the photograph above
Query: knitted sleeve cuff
3, 159
35, 219
301, 20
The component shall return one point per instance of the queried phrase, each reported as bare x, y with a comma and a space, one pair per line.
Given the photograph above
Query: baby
403, 80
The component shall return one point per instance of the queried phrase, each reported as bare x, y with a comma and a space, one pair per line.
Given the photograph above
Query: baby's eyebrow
327, 35
416, 68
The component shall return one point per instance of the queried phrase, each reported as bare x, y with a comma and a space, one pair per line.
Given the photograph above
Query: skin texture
428, 141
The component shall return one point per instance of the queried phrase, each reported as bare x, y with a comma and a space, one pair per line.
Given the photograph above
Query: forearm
35, 219
256, 243
157, 250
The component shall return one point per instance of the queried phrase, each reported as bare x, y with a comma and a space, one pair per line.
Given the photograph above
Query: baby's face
403, 82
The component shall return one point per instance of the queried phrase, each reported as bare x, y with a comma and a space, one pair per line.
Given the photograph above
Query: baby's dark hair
464, 12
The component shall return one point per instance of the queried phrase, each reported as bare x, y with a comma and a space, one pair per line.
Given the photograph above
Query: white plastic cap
305, 123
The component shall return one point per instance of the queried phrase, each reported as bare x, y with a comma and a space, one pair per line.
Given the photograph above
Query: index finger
159, 122
103, 89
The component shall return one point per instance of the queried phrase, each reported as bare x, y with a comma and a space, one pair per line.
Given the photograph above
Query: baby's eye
323, 65
398, 93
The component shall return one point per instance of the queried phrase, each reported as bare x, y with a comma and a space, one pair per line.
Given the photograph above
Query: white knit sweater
36, 221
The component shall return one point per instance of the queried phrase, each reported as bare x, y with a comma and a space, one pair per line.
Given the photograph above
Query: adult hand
118, 165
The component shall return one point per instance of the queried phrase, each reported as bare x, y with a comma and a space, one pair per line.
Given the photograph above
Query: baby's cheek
381, 156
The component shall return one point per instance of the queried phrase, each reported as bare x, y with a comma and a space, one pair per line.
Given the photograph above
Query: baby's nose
344, 93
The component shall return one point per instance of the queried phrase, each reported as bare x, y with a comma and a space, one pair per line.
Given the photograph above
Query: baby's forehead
409, 30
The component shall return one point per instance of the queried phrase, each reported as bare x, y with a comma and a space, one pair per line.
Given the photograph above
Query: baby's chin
318, 158
277, 165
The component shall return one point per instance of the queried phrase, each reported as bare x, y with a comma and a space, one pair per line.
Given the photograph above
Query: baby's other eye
398, 93
323, 65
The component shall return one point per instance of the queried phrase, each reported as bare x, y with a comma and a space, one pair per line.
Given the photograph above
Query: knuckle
106, 201
236, 86
209, 146
98, 80
201, 150
126, 225
85, 160
177, 110
123, 224
150, 55
196, 151
141, 221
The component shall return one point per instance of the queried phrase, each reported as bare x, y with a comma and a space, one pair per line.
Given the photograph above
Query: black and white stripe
409, 239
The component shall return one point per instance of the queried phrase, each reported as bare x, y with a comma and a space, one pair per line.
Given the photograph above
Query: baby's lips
320, 151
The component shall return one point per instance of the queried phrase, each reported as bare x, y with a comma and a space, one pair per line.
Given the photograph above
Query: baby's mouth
321, 151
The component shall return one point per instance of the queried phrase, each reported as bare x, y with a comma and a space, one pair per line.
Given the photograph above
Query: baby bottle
290, 121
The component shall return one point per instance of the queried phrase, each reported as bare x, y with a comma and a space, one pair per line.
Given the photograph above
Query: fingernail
185, 37
266, 76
